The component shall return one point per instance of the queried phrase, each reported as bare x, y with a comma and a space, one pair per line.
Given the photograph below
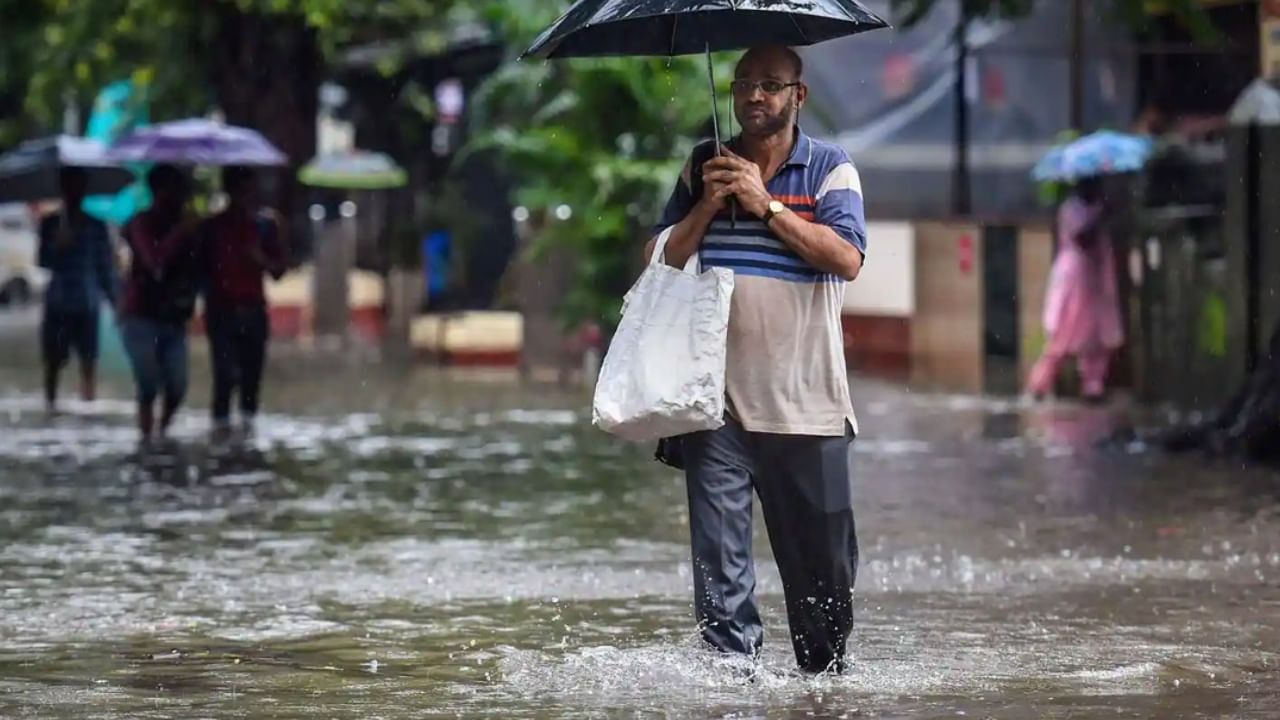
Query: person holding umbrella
159, 298
242, 244
234, 248
1082, 306
784, 212
77, 251
799, 236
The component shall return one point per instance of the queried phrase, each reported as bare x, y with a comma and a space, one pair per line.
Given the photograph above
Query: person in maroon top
159, 297
241, 246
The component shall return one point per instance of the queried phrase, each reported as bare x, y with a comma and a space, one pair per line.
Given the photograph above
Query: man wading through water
798, 238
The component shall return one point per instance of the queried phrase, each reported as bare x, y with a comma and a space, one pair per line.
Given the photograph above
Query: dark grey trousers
806, 497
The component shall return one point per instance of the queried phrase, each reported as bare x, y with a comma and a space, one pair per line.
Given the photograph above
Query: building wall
946, 332
916, 312
879, 305
887, 98
1035, 257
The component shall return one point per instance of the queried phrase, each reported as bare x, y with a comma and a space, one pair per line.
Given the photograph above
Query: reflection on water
423, 545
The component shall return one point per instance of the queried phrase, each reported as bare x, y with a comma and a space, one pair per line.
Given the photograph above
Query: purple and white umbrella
196, 142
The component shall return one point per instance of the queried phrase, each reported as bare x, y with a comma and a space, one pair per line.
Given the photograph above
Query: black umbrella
602, 28
598, 28
30, 172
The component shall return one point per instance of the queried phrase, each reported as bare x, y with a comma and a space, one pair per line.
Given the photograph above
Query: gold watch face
776, 207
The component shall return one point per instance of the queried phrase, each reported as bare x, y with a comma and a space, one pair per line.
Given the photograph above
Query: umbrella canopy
685, 27
1100, 153
353, 171
30, 172
597, 28
196, 142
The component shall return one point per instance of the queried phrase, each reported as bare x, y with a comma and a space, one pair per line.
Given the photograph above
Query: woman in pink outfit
1082, 309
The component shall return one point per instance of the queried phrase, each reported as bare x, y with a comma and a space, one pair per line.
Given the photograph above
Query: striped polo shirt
786, 371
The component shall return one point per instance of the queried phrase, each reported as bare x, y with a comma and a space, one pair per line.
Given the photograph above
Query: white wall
887, 284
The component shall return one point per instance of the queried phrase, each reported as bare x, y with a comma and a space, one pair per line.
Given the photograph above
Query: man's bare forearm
818, 245
686, 236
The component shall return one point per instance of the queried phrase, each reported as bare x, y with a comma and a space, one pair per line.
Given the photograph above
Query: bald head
775, 60
767, 90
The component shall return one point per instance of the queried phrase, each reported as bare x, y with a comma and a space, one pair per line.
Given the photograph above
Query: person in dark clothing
159, 298
76, 249
242, 245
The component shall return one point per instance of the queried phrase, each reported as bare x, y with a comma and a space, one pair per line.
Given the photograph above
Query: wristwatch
775, 207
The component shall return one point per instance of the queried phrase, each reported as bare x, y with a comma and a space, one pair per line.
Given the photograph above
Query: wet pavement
420, 544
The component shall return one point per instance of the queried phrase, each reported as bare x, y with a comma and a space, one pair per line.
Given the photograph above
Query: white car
21, 277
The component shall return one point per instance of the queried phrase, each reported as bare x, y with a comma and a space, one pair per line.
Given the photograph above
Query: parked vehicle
21, 277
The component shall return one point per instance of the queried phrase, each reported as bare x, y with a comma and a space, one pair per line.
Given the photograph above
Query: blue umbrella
1100, 153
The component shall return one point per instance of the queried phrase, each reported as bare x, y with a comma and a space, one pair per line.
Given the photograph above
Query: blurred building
953, 299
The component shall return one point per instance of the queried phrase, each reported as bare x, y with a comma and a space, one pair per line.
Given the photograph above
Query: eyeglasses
744, 88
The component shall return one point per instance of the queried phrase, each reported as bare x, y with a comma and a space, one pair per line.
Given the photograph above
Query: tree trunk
266, 71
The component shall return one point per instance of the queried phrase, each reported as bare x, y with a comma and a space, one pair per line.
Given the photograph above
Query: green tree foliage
23, 20
56, 48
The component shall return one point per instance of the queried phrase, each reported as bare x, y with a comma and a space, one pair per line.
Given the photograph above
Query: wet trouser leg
141, 342
1093, 371
252, 355
806, 497
173, 364
222, 347
1044, 372
718, 474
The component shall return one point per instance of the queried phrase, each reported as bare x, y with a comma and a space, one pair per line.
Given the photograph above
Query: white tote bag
664, 372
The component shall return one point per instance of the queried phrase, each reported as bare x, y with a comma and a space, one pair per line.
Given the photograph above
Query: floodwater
419, 545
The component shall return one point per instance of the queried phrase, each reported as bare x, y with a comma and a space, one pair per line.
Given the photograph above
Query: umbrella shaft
715, 127
715, 106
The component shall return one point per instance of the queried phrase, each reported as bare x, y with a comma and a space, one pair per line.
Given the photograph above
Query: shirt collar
801, 150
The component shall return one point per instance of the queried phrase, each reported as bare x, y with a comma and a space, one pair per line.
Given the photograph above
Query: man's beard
771, 124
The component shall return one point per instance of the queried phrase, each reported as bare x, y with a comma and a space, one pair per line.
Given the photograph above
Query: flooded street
409, 545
